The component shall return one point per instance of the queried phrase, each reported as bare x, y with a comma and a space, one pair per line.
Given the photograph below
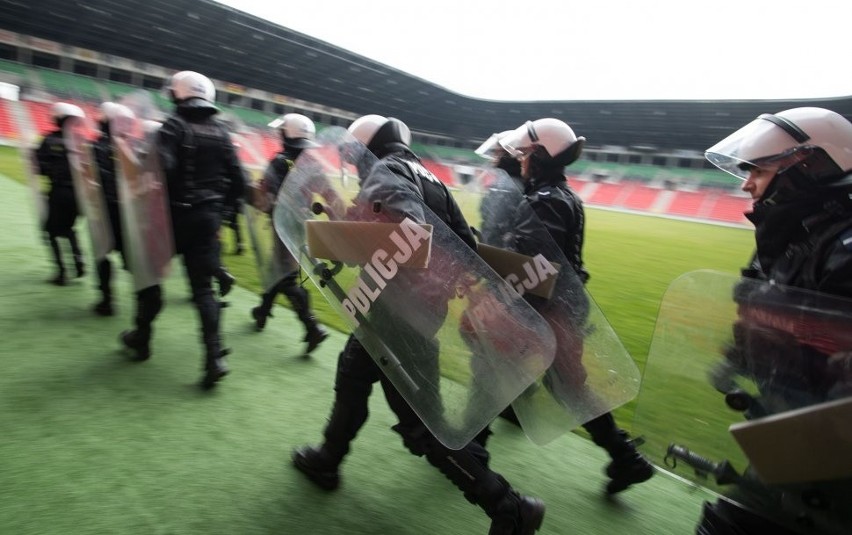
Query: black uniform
53, 163
804, 242
299, 298
203, 174
104, 156
553, 205
357, 372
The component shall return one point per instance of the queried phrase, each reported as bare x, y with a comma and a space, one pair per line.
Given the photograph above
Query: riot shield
747, 390
145, 216
88, 188
592, 373
142, 104
39, 199
272, 258
413, 293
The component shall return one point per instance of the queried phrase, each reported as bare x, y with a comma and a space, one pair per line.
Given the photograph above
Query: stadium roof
233, 46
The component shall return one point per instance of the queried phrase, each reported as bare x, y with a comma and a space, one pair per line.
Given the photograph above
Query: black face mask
779, 224
544, 170
511, 165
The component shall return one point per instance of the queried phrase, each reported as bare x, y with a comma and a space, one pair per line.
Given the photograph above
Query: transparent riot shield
145, 216
88, 188
412, 292
142, 104
272, 258
747, 390
39, 199
592, 373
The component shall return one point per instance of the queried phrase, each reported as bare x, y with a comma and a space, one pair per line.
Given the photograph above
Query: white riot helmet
380, 134
297, 131
119, 117
61, 110
192, 89
815, 142
553, 142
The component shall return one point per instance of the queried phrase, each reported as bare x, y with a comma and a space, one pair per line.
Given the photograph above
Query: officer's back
196, 152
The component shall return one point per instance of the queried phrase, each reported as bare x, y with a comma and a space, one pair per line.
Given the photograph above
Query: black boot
78, 254
259, 316
510, 513
300, 301
318, 466
148, 304
264, 310
59, 279
139, 342
215, 368
628, 466
315, 336
519, 515
226, 281
104, 307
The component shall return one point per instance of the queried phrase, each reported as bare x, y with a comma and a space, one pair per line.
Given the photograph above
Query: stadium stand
640, 197
641, 156
444, 172
8, 125
690, 204
602, 193
40, 116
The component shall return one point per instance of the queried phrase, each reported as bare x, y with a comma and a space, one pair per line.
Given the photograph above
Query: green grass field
94, 445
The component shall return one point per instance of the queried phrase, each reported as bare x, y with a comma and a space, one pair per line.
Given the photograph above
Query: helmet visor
758, 144
519, 142
491, 148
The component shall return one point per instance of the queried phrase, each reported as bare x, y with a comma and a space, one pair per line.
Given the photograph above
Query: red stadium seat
444, 172
8, 126
641, 198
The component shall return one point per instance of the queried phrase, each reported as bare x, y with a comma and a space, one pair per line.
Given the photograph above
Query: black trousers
196, 240
467, 468
104, 267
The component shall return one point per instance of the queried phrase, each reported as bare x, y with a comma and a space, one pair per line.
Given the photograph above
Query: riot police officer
297, 133
113, 115
202, 174
544, 147
797, 167
496, 219
53, 163
389, 140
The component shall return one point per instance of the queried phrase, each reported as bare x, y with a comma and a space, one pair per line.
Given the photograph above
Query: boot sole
323, 480
618, 485
210, 379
